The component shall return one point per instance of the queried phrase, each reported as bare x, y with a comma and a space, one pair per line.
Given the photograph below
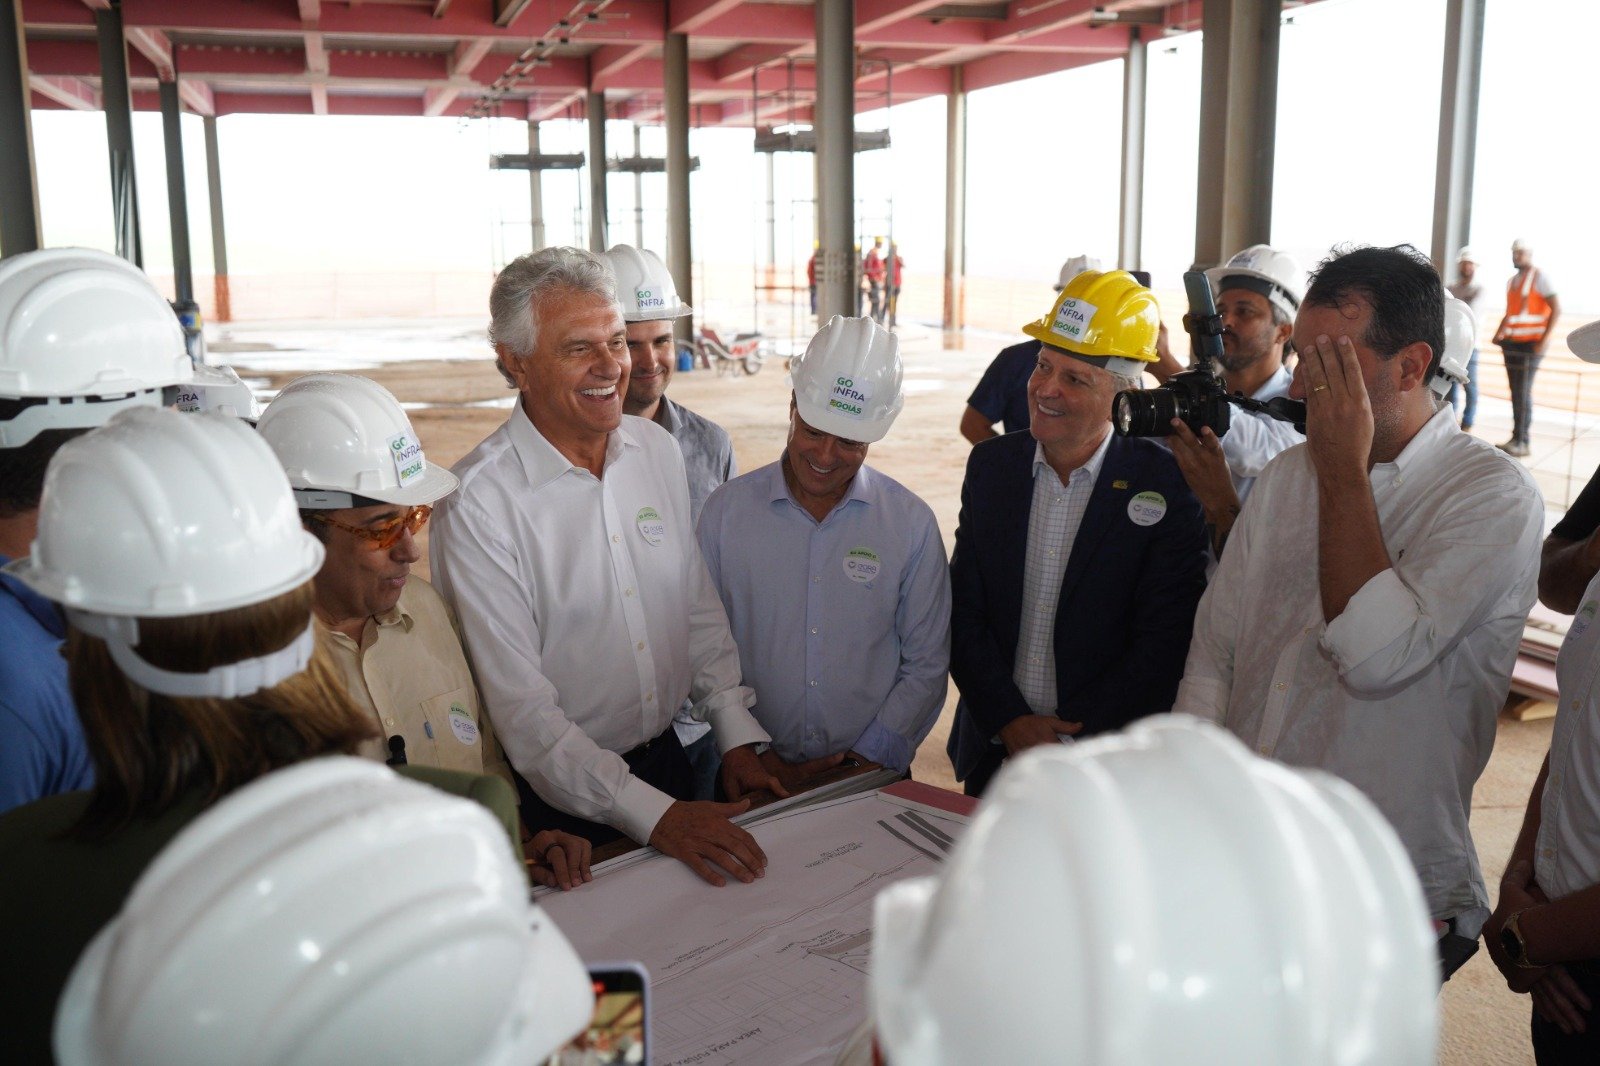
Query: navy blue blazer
1127, 603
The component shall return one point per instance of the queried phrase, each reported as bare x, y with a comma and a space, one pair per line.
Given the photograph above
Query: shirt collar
668, 416
43, 611
1090, 470
1420, 449
543, 463
1275, 386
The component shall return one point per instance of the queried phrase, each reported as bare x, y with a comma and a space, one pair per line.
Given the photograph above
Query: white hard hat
1460, 338
343, 438
162, 515
218, 388
1584, 342
847, 382
328, 913
1075, 266
1161, 895
1466, 256
644, 285
1520, 245
77, 325
1265, 270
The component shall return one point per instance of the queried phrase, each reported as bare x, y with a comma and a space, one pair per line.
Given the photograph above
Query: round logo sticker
1147, 508
462, 725
861, 565
651, 526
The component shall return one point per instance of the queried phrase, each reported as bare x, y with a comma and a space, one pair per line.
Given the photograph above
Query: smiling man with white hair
570, 559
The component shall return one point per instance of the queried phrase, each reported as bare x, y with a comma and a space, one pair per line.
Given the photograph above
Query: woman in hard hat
174, 546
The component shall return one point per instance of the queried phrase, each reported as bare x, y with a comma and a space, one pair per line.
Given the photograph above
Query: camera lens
1144, 412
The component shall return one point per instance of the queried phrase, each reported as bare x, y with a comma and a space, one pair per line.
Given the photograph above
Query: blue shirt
1002, 392
42, 751
843, 625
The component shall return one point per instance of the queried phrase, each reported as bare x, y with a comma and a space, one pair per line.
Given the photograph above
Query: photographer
1258, 294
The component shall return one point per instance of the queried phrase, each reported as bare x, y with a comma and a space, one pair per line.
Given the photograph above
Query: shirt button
1310, 630
640, 645
627, 592
1262, 749
388, 721
816, 579
813, 629
1280, 686
813, 684
616, 539
650, 697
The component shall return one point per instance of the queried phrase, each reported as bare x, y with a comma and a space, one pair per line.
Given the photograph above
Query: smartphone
619, 1031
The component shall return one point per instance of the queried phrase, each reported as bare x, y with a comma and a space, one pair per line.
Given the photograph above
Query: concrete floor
441, 370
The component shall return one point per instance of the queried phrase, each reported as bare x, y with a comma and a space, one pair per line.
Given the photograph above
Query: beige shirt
410, 673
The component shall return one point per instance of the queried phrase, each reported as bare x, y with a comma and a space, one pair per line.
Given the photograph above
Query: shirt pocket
455, 721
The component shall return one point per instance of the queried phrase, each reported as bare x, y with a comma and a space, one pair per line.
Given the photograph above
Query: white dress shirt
1567, 856
1053, 521
587, 612
1399, 694
1254, 439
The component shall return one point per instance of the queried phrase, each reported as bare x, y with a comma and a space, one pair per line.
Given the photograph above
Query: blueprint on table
772, 972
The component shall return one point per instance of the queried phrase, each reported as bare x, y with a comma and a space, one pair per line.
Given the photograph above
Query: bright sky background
1357, 125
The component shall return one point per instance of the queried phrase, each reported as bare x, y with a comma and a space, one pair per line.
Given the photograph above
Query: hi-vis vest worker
1527, 309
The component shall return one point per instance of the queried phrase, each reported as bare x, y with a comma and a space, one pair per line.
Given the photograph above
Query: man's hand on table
1033, 730
699, 835
557, 860
792, 775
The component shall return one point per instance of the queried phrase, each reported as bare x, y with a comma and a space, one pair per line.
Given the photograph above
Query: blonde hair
151, 750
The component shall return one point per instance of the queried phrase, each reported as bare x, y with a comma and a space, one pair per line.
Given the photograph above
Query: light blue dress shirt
843, 625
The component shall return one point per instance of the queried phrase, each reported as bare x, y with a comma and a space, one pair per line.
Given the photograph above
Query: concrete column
1458, 129
118, 103
955, 201
177, 194
836, 158
772, 218
597, 171
221, 299
1130, 221
638, 190
535, 187
679, 253
19, 186
1238, 114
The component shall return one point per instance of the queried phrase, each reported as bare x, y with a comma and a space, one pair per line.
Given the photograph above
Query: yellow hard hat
1105, 317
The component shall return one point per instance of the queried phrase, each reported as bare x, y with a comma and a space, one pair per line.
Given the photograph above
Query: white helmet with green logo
848, 382
644, 285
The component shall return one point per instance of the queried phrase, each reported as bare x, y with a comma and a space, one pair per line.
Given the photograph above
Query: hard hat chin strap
228, 681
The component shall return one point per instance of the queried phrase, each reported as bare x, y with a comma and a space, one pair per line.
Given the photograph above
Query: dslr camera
1197, 395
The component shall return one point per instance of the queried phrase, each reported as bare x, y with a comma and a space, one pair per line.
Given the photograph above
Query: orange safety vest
1527, 311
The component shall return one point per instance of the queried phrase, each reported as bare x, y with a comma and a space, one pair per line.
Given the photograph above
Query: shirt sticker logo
1585, 616
1147, 508
1072, 318
407, 455
462, 725
850, 397
651, 526
861, 565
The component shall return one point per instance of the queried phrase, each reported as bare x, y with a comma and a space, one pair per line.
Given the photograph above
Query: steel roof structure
751, 63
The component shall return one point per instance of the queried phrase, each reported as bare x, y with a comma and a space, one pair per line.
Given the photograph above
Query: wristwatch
1516, 948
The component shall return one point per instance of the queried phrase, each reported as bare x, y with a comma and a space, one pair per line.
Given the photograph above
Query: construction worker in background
1258, 294
574, 511
1080, 554
1466, 289
811, 275
328, 912
365, 489
834, 574
87, 336
874, 272
895, 267
1531, 313
650, 304
1067, 924
1367, 613
1002, 392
